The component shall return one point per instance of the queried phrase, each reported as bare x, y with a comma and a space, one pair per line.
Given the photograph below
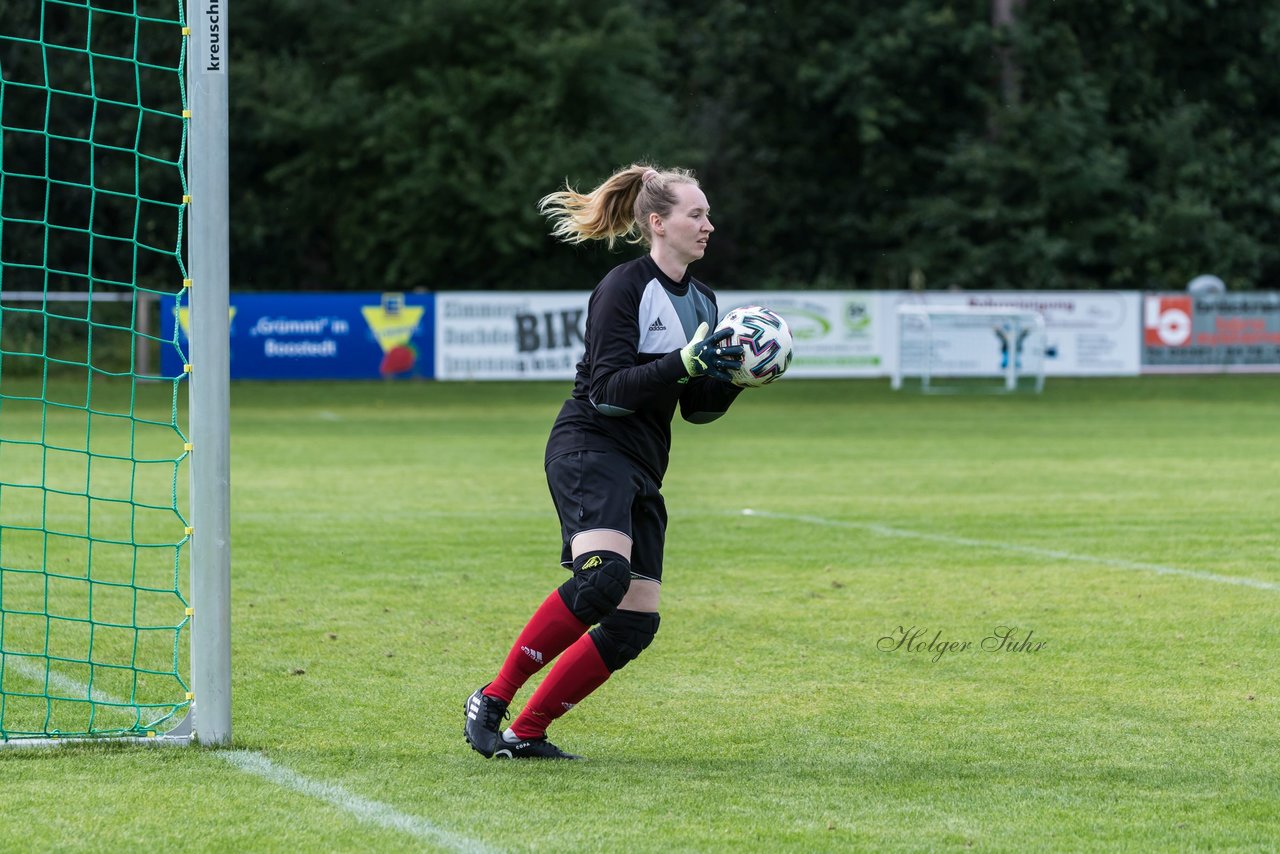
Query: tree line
403, 144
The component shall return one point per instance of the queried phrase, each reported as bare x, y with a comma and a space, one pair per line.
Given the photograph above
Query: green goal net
94, 534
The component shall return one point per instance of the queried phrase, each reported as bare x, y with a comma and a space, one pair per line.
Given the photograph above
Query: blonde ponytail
618, 208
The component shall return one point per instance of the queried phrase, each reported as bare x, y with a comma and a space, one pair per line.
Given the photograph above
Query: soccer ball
766, 344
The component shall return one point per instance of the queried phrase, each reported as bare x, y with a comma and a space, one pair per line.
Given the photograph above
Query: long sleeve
706, 399
620, 383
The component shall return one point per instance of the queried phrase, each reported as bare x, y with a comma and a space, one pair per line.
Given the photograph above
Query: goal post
959, 349
211, 370
114, 496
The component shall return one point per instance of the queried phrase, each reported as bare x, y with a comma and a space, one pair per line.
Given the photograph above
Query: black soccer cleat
510, 747
484, 722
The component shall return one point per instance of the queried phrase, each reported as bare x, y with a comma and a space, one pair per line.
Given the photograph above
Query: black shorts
595, 490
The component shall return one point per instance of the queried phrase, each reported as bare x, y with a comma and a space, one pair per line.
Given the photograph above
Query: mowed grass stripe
1034, 551
363, 809
255, 763
383, 561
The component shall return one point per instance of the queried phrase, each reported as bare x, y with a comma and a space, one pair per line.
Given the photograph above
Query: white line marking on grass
1117, 563
363, 809
73, 688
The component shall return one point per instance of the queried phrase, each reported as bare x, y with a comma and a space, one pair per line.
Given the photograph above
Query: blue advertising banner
333, 336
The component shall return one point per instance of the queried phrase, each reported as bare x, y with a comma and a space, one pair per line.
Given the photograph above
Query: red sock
578, 672
551, 628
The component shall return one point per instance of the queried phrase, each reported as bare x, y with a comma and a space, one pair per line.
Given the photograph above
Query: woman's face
684, 232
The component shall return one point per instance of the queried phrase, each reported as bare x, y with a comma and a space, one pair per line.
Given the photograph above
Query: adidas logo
473, 708
657, 326
532, 653
593, 561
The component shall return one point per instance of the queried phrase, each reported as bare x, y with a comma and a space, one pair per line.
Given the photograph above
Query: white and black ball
766, 344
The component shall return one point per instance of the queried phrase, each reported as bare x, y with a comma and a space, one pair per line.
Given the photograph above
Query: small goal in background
963, 350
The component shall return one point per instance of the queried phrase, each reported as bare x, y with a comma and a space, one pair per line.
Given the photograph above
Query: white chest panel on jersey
663, 326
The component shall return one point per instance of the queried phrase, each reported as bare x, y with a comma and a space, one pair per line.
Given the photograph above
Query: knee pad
623, 635
600, 580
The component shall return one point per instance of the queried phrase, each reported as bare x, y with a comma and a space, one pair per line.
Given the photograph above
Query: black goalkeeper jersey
631, 377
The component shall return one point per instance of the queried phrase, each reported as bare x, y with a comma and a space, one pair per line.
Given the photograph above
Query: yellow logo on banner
392, 323
184, 319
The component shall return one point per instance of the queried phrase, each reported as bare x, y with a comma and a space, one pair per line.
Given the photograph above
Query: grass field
390, 540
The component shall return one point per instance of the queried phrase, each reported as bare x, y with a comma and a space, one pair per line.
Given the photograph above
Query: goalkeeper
647, 352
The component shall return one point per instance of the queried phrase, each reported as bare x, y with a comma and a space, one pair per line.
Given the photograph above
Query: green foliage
90, 147
407, 149
1142, 154
858, 144
824, 120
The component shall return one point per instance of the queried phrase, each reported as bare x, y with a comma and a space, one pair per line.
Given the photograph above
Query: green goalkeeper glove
703, 357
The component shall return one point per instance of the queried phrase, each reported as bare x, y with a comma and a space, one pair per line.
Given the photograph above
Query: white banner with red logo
1186, 333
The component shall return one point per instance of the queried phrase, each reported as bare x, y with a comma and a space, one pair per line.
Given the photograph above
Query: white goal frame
1021, 324
208, 720
210, 337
